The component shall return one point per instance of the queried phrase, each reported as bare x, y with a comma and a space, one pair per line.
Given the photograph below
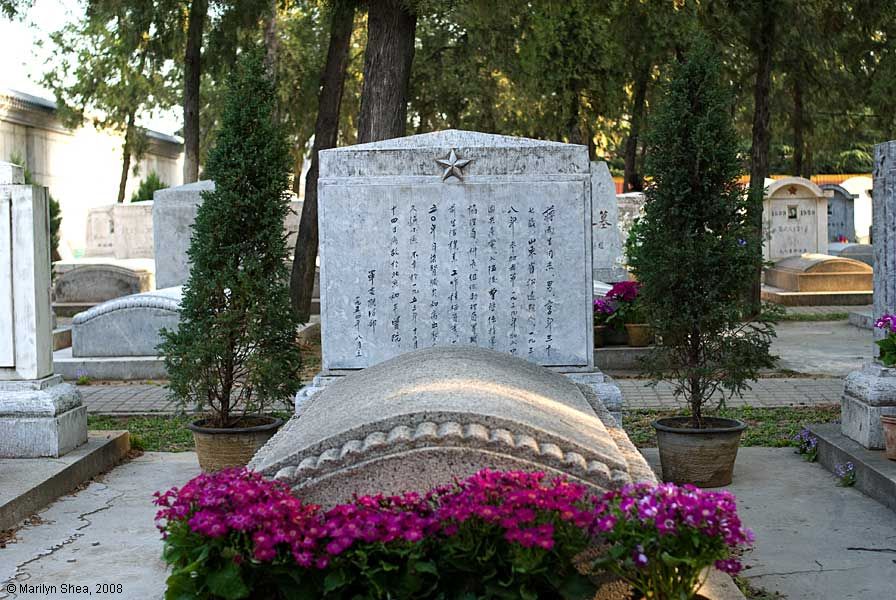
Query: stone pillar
39, 414
871, 392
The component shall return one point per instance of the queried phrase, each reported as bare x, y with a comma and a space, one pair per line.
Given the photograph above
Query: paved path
142, 398
766, 393
824, 310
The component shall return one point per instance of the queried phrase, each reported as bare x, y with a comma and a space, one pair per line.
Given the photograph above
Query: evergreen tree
695, 251
235, 349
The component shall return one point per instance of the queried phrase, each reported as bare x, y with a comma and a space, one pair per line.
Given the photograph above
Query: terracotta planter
219, 448
599, 331
703, 457
639, 335
615, 337
889, 425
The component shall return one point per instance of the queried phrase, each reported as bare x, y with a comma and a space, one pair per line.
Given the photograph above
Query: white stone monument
606, 239
795, 218
841, 213
39, 414
458, 238
871, 392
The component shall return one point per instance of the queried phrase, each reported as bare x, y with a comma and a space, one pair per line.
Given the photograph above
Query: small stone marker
456, 238
871, 392
795, 218
39, 414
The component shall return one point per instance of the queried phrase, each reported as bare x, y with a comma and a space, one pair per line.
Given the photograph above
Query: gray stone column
39, 414
871, 392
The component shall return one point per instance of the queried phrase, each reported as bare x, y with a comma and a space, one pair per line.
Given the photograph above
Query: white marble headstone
456, 238
795, 218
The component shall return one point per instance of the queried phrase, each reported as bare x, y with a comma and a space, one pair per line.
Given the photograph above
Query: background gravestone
795, 218
841, 214
606, 239
456, 238
871, 392
39, 414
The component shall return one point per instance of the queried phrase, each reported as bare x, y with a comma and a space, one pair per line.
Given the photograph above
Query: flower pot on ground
705, 456
234, 353
696, 252
639, 334
889, 426
599, 335
221, 448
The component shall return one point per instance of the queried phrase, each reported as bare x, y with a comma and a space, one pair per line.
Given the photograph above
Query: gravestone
606, 240
173, 213
871, 392
841, 214
39, 414
794, 215
91, 281
133, 230
127, 326
423, 418
100, 239
456, 238
631, 208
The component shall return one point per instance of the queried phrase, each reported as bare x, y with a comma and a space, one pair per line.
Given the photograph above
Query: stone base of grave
867, 395
790, 298
40, 418
864, 319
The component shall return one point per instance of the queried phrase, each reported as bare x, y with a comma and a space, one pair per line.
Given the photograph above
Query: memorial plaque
456, 238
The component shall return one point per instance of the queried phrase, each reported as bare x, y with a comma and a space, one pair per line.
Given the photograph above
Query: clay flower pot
222, 448
599, 331
889, 425
703, 457
639, 335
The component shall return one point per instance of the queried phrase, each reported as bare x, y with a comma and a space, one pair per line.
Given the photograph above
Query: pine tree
695, 251
235, 350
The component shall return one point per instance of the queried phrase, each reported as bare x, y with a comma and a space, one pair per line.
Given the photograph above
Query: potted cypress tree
695, 254
234, 353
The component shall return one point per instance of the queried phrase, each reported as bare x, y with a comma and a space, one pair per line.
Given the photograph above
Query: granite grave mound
425, 417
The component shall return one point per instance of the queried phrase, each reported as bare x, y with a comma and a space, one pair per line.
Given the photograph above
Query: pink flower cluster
624, 291
603, 307
526, 507
887, 322
658, 511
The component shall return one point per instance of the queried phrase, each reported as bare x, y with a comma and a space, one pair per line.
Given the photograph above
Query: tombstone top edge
456, 138
11, 174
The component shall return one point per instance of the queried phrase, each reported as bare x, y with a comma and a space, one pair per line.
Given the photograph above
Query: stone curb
103, 450
875, 475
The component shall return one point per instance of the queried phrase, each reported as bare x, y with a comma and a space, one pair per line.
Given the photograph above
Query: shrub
694, 251
494, 535
148, 185
234, 351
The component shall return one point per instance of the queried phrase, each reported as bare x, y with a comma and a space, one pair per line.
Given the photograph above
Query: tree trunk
126, 156
763, 46
387, 71
192, 76
631, 181
271, 42
800, 168
326, 129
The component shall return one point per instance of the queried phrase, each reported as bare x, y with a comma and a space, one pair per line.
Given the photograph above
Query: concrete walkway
814, 540
103, 534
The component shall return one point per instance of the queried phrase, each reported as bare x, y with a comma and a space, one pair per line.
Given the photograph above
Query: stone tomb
39, 414
122, 231
90, 281
426, 417
127, 326
841, 213
795, 218
820, 273
456, 238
